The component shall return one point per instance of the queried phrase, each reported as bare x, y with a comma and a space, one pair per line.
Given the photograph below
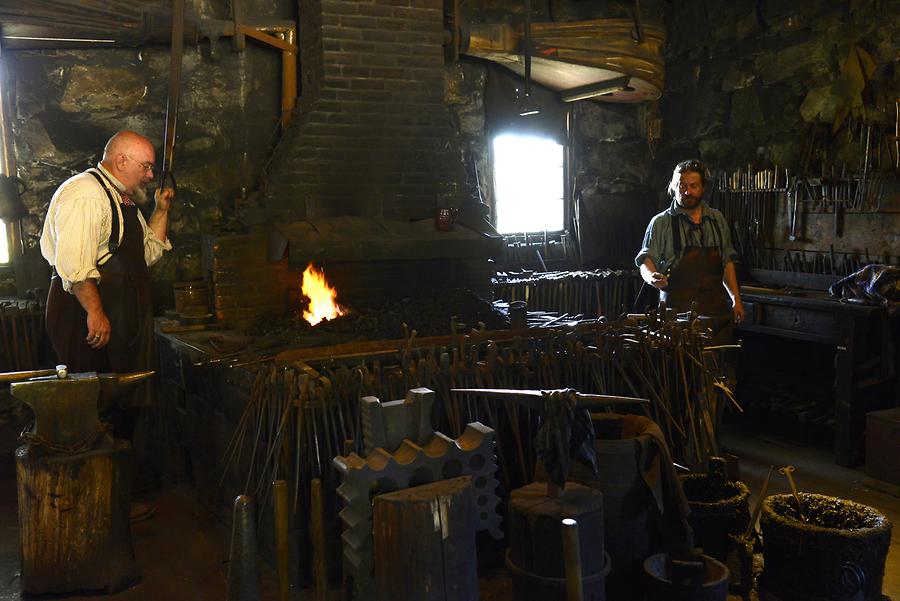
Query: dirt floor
183, 551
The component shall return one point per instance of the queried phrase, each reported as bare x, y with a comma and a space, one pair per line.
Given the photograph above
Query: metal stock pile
304, 405
572, 293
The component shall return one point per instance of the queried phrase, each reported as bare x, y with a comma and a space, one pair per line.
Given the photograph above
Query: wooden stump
425, 543
536, 556
74, 532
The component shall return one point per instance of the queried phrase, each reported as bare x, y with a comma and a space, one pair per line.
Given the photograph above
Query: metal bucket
838, 554
660, 587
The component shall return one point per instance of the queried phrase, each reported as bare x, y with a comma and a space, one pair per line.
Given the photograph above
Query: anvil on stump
74, 486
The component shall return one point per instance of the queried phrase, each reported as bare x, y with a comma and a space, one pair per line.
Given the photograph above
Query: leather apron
124, 289
697, 277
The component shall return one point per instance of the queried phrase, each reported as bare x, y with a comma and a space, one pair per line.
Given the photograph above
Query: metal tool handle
168, 176
788, 471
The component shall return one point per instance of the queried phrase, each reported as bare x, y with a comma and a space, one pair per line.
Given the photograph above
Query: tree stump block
425, 543
74, 532
536, 556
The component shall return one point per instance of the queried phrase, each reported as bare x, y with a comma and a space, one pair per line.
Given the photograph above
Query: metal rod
527, 49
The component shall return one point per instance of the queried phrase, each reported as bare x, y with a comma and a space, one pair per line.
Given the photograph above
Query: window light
529, 181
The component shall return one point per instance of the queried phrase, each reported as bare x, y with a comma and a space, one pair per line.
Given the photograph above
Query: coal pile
429, 314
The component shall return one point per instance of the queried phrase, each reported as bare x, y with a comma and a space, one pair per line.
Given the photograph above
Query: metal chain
79, 447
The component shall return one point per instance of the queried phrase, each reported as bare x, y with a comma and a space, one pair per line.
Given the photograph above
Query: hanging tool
166, 174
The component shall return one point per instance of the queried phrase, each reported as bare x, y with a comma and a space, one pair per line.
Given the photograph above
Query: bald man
99, 313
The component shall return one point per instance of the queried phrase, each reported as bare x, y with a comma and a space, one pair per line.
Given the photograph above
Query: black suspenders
114, 224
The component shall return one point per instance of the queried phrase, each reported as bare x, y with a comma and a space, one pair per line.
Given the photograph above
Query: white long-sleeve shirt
78, 226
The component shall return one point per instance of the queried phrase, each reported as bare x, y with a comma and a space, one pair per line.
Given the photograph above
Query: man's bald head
129, 157
125, 142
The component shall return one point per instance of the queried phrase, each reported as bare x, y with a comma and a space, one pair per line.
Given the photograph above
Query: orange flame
322, 303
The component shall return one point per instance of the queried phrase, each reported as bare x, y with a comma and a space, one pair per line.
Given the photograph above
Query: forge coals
429, 314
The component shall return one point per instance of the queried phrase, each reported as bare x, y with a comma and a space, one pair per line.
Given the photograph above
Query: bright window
529, 182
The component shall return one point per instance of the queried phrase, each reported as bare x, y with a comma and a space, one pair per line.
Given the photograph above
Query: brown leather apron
124, 289
697, 277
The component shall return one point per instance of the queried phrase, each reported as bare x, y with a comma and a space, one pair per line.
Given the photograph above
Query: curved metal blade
532, 398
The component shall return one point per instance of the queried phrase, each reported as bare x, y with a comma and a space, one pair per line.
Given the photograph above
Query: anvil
67, 409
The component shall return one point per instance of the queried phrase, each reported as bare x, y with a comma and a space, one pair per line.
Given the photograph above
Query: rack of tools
749, 200
303, 407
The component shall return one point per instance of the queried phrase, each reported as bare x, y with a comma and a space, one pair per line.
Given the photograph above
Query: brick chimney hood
373, 137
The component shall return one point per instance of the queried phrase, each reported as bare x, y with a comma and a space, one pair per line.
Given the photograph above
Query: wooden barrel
535, 554
531, 587
627, 501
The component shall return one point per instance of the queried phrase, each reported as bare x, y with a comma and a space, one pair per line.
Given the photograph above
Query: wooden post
280, 491
317, 531
425, 543
572, 551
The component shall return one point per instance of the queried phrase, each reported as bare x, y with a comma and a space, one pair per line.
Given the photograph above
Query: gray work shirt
659, 245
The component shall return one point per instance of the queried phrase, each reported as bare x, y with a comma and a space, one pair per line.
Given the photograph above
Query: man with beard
99, 314
688, 256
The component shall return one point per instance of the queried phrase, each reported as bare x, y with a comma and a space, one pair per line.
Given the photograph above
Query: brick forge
372, 137
411, 464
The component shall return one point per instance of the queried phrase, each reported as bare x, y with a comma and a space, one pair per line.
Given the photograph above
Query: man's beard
139, 195
688, 202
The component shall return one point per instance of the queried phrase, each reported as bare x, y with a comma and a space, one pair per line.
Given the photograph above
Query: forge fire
322, 297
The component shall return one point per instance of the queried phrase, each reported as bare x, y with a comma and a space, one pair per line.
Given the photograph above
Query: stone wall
66, 104
759, 84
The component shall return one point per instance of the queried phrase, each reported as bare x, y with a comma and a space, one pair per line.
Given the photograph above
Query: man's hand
738, 310
164, 198
99, 329
98, 326
658, 280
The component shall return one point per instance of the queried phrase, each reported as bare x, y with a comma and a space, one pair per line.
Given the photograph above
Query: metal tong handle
788, 471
